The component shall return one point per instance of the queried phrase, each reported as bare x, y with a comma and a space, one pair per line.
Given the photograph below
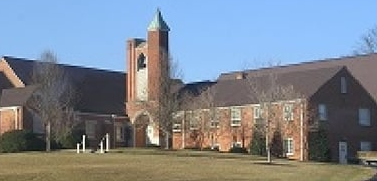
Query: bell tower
147, 61
147, 64
158, 51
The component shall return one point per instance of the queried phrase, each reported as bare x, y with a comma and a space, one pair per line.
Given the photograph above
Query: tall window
235, 116
288, 146
343, 85
322, 112
364, 117
365, 146
214, 118
192, 119
288, 112
119, 133
90, 129
177, 124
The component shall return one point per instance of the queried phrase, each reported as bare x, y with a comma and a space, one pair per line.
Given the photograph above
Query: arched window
141, 62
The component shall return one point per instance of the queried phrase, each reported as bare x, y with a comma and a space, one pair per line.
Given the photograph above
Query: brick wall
342, 110
11, 119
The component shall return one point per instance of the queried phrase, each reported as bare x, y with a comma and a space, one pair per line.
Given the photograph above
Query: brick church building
338, 95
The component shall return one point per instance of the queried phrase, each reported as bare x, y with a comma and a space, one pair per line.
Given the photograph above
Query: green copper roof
158, 23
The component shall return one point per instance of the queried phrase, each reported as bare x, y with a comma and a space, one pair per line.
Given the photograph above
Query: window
322, 112
90, 129
236, 145
364, 117
214, 116
288, 112
141, 62
177, 127
119, 133
343, 85
177, 124
257, 112
288, 146
365, 146
235, 116
192, 119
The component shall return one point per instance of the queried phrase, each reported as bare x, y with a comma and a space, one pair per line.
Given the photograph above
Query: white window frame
177, 125
365, 146
90, 129
322, 112
235, 116
257, 112
289, 146
288, 112
364, 116
343, 85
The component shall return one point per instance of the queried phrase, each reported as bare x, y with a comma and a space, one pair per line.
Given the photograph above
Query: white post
78, 148
83, 143
101, 146
301, 131
107, 142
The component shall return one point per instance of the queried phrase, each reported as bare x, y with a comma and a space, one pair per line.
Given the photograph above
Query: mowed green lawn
167, 165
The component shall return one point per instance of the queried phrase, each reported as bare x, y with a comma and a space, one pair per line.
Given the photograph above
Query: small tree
318, 145
266, 91
52, 99
258, 143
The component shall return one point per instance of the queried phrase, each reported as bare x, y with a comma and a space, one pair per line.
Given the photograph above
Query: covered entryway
145, 132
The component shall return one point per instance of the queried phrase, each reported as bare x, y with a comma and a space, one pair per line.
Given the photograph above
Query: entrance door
343, 152
152, 137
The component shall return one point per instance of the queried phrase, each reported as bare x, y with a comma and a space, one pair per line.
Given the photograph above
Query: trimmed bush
238, 150
318, 146
70, 140
20, 140
258, 144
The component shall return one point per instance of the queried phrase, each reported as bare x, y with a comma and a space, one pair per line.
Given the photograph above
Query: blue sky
207, 37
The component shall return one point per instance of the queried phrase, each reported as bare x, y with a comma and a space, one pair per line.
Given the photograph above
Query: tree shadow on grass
275, 164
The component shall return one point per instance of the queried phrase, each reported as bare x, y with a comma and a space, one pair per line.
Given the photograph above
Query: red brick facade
226, 134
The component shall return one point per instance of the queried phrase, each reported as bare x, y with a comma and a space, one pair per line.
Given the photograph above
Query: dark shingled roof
362, 67
238, 92
99, 91
16, 96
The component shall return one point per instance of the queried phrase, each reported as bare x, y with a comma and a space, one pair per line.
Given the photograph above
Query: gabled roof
99, 91
238, 92
16, 96
362, 67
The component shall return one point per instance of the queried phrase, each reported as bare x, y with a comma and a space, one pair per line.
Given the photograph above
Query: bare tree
203, 119
269, 94
368, 42
167, 103
51, 100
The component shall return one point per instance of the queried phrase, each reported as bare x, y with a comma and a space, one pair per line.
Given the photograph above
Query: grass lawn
167, 165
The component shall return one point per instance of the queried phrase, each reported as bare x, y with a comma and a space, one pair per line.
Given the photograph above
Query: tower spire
158, 23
